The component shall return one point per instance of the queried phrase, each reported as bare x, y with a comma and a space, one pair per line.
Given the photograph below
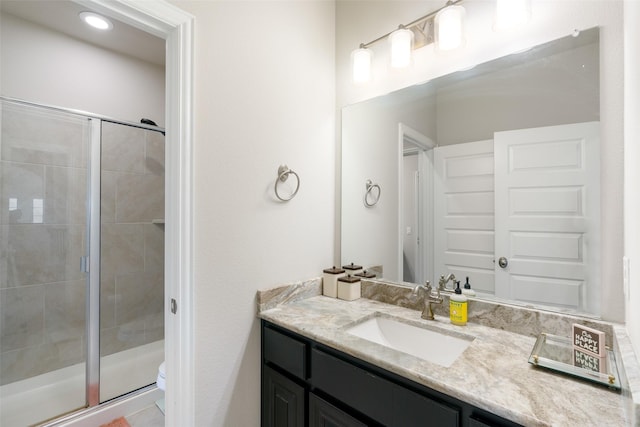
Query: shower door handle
84, 264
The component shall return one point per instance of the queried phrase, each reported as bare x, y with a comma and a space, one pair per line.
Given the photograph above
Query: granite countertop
493, 373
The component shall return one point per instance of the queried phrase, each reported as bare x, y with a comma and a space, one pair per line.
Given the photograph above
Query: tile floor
150, 416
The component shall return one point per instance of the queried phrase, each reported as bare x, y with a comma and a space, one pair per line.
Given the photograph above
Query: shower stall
81, 260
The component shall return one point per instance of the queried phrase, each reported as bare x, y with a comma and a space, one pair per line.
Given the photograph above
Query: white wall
632, 166
370, 235
264, 96
362, 21
47, 67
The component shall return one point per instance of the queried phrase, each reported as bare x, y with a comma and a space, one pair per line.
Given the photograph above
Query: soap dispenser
467, 289
458, 307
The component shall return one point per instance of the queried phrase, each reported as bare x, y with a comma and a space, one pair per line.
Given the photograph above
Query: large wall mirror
491, 173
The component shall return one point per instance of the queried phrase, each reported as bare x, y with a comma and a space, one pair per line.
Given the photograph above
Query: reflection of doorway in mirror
544, 221
410, 214
416, 199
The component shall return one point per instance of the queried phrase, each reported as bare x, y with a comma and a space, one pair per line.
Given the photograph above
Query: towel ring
376, 198
283, 175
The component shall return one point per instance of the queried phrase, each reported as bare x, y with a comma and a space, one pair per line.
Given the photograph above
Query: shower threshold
33, 400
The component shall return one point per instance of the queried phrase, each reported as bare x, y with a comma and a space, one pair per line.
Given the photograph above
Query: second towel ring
283, 175
376, 198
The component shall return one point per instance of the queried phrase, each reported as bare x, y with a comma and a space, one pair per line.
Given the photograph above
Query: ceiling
62, 16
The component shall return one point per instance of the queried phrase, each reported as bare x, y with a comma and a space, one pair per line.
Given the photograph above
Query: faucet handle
427, 286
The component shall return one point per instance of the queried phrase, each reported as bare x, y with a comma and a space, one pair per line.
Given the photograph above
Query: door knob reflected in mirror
503, 262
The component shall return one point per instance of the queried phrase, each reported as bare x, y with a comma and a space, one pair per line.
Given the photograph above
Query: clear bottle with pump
467, 289
458, 307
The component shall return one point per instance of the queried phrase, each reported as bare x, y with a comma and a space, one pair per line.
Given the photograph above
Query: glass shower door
43, 236
81, 261
132, 258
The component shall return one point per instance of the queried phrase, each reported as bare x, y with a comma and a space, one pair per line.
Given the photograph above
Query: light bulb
361, 64
96, 21
401, 41
449, 28
511, 13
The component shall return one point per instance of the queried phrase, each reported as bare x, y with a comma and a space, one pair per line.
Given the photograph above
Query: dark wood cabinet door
283, 403
323, 414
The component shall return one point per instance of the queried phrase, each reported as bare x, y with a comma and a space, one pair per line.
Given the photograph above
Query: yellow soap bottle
458, 307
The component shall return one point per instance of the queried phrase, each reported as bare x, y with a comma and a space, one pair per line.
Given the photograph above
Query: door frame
424, 218
168, 22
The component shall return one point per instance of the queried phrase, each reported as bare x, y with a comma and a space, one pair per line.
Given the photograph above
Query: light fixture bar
413, 23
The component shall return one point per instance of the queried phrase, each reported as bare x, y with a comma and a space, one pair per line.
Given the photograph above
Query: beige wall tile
121, 338
107, 300
122, 248
153, 247
24, 183
64, 310
37, 254
154, 153
40, 136
5, 257
139, 295
108, 196
31, 361
154, 327
139, 198
42, 291
21, 317
123, 148
65, 195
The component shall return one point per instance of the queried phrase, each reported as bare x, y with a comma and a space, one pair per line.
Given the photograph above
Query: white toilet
161, 383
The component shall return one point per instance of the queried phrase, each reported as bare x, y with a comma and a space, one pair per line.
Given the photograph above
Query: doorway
82, 260
416, 200
176, 27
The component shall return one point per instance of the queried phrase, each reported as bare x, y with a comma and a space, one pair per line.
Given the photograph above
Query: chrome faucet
427, 299
442, 284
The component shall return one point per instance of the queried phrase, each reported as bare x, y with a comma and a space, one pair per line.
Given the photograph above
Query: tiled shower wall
43, 197
132, 244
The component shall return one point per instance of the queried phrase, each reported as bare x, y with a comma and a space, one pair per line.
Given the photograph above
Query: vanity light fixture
401, 41
361, 59
449, 27
444, 27
511, 14
96, 21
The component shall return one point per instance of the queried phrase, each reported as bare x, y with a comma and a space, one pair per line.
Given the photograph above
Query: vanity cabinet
283, 401
324, 414
305, 383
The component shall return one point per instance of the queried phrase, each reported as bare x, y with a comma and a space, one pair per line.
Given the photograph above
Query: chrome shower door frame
93, 279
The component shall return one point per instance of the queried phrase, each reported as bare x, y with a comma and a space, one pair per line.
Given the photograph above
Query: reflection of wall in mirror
371, 151
559, 89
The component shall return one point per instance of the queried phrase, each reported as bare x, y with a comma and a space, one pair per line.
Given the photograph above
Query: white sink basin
427, 344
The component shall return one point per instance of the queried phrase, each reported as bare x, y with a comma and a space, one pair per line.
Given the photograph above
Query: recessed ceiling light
96, 21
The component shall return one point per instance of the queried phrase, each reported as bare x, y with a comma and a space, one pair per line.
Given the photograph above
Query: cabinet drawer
489, 420
355, 387
285, 351
411, 409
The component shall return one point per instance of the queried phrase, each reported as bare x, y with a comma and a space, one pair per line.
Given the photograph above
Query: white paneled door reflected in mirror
509, 167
